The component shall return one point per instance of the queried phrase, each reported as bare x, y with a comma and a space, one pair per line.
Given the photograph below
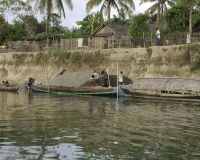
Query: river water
50, 127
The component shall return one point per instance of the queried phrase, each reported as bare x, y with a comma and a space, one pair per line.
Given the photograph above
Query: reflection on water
47, 126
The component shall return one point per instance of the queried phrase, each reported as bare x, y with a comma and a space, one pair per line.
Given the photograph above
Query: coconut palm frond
69, 4
171, 3
104, 9
152, 9
91, 4
145, 1
129, 3
114, 5
126, 5
48, 6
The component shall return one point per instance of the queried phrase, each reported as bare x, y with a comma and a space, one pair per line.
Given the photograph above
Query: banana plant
92, 21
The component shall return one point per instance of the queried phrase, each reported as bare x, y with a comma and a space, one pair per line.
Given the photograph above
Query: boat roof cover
167, 84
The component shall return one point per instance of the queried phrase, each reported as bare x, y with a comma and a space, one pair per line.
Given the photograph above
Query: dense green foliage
177, 18
138, 25
56, 28
118, 21
4, 31
196, 16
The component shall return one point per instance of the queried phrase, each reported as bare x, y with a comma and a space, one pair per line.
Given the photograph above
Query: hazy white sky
79, 12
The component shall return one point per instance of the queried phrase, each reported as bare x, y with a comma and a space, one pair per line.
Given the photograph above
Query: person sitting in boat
30, 81
92, 81
6, 83
96, 78
106, 80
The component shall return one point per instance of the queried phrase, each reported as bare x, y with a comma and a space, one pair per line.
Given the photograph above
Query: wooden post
108, 78
143, 40
117, 83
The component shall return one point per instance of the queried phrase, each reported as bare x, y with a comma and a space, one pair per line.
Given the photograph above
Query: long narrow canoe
97, 90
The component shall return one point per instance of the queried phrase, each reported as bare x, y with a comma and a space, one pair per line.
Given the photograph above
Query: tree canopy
138, 25
126, 5
48, 6
177, 18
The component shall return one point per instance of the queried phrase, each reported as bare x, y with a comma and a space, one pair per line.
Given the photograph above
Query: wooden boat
10, 88
164, 88
97, 90
120, 91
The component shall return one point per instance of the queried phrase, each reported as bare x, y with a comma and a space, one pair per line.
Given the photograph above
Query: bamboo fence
145, 41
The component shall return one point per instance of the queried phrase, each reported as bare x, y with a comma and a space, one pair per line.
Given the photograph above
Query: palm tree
163, 5
48, 6
159, 6
107, 4
191, 4
122, 13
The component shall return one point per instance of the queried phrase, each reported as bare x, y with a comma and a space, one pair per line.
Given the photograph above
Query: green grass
149, 52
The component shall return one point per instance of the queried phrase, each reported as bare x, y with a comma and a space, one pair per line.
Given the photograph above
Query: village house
111, 36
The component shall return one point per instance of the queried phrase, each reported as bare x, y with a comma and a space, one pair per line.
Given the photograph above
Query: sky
78, 13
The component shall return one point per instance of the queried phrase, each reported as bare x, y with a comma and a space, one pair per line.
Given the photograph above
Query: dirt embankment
158, 61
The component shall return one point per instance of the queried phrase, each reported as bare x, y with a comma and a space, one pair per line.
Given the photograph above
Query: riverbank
157, 61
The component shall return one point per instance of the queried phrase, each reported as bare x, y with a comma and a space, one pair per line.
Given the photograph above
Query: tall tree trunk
108, 11
92, 29
162, 9
158, 15
46, 26
48, 22
190, 21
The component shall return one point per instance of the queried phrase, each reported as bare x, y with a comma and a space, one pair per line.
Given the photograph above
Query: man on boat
120, 77
96, 78
106, 80
30, 81
29, 84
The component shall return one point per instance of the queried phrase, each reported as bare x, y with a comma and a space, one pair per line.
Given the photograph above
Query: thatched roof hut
110, 35
107, 30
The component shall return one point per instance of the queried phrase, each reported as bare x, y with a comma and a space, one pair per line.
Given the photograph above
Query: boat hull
119, 90
75, 90
9, 89
167, 96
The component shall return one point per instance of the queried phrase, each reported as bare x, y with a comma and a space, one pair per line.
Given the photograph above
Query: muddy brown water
43, 126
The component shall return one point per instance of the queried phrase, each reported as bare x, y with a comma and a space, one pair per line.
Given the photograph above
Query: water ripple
47, 126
